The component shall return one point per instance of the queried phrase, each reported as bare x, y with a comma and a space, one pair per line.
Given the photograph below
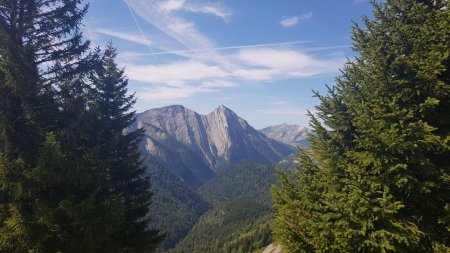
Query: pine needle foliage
376, 178
71, 175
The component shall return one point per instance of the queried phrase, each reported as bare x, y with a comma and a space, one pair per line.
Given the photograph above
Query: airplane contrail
142, 32
239, 47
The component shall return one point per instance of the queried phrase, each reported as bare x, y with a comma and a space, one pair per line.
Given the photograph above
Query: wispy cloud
278, 103
265, 64
218, 84
123, 36
175, 73
286, 63
284, 111
171, 5
167, 93
164, 15
289, 21
203, 66
216, 9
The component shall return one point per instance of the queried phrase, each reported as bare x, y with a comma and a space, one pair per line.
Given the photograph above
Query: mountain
196, 147
293, 135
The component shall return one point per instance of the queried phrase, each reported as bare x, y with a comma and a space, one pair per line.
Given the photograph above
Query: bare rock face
293, 135
203, 145
273, 248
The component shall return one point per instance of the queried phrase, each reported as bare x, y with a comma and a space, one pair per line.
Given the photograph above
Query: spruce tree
40, 45
57, 194
376, 178
119, 154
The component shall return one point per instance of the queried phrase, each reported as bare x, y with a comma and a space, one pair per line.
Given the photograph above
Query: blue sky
260, 58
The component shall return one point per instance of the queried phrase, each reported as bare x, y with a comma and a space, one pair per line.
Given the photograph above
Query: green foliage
118, 154
175, 207
240, 220
241, 225
376, 177
70, 179
248, 179
46, 213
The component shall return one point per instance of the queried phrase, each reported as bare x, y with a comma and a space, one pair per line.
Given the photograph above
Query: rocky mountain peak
294, 135
223, 110
218, 139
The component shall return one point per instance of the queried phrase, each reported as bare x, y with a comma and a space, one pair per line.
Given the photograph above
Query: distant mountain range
200, 165
293, 135
196, 147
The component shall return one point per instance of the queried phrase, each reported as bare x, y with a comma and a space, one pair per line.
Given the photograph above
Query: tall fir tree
48, 199
119, 153
54, 195
376, 178
41, 45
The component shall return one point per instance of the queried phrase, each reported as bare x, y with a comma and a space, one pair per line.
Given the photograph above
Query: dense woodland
233, 208
175, 207
247, 179
70, 179
241, 225
377, 176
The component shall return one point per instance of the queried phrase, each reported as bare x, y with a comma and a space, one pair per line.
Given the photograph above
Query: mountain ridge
293, 135
196, 147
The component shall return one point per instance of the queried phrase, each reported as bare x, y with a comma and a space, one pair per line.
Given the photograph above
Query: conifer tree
40, 45
57, 194
376, 178
119, 154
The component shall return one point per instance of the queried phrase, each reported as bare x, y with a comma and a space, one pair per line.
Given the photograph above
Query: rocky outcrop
195, 147
273, 248
293, 135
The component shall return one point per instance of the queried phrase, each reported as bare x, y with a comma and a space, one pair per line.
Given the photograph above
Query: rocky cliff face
195, 147
293, 135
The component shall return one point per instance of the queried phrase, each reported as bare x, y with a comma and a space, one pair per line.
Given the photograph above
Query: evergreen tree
119, 154
54, 209
376, 178
40, 45
57, 191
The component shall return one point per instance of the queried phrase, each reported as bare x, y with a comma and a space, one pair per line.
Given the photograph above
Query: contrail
142, 32
219, 48
324, 48
239, 47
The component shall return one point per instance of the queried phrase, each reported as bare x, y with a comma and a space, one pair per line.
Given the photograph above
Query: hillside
241, 225
240, 220
247, 179
175, 207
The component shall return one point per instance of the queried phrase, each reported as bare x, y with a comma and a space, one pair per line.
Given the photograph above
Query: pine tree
40, 45
119, 153
56, 195
376, 178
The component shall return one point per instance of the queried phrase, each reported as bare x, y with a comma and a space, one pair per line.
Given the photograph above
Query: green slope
242, 225
176, 207
241, 217
248, 179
